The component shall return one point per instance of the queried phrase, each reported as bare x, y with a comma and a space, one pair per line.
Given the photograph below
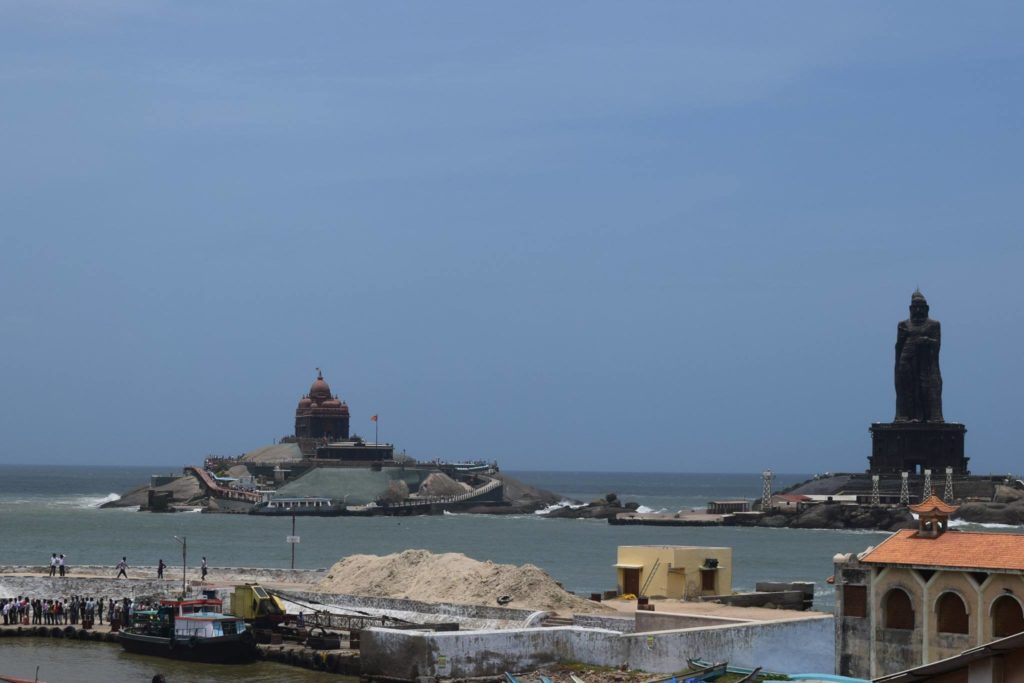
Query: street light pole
184, 561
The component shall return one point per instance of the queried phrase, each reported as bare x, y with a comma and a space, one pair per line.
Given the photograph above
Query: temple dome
319, 391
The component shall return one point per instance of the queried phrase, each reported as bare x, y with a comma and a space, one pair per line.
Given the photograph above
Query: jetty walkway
214, 488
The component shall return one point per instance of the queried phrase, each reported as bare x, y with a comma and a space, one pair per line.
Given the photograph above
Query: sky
654, 236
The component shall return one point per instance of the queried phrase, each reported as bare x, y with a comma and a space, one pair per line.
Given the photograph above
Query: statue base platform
917, 446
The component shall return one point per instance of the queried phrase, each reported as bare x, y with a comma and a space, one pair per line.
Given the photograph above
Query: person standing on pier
53, 564
122, 568
204, 570
160, 569
60, 564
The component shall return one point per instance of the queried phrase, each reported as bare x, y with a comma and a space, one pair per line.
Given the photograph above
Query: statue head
918, 306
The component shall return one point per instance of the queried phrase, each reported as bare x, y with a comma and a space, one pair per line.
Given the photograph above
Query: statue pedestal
917, 446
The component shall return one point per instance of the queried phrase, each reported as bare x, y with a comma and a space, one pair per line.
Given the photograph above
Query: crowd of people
29, 611
75, 610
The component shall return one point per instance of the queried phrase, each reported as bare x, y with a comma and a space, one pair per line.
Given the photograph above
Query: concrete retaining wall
450, 611
792, 646
666, 621
618, 624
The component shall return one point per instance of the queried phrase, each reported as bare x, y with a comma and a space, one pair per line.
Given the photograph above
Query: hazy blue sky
569, 235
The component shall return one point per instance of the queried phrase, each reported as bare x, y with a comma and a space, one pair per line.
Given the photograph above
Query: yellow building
673, 571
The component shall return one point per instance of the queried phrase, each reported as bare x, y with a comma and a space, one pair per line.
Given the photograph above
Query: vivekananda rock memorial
321, 415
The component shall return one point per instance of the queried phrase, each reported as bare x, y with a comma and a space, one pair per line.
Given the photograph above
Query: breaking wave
984, 525
558, 506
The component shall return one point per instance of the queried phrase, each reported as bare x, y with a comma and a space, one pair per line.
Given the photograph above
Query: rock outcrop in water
828, 516
603, 508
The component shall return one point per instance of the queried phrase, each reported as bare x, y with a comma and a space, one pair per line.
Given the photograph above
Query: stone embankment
836, 516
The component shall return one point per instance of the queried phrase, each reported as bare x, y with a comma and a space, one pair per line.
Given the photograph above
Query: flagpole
376, 431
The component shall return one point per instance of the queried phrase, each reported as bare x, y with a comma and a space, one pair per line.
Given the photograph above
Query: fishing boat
704, 671
193, 630
752, 677
12, 679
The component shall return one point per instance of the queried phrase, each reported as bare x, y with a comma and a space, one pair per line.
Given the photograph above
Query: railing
343, 622
440, 500
219, 491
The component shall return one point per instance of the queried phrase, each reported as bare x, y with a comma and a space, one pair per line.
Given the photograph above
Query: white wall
794, 646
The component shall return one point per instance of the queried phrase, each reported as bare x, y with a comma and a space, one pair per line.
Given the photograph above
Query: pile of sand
451, 577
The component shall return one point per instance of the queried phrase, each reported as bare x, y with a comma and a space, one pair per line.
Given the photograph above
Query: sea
48, 509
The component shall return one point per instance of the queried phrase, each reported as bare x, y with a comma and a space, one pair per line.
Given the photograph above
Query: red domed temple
320, 414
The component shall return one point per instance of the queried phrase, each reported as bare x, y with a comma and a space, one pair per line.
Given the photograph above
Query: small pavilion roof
934, 504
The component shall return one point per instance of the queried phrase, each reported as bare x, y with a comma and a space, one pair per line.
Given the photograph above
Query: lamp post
184, 561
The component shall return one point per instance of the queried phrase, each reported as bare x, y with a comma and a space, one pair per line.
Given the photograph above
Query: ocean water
47, 509
70, 660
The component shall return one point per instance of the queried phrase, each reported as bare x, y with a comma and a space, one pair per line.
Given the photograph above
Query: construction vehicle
256, 605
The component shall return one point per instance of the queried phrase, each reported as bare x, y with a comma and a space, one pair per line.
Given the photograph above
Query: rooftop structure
926, 594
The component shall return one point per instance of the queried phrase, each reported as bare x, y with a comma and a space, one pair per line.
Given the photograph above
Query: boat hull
233, 649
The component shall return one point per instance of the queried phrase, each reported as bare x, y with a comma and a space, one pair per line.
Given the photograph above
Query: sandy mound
451, 577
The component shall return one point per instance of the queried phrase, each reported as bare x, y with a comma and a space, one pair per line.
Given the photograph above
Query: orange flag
373, 419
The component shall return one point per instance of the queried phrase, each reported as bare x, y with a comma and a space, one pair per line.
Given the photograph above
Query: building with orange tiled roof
926, 594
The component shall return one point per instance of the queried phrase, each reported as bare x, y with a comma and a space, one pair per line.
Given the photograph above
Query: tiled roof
934, 504
972, 550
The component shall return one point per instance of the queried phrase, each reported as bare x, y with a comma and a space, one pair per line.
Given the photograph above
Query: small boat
12, 679
703, 671
193, 630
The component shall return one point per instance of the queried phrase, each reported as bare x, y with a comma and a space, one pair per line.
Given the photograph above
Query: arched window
952, 614
898, 609
1007, 617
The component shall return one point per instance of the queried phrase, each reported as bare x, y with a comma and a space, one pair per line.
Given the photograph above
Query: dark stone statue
918, 380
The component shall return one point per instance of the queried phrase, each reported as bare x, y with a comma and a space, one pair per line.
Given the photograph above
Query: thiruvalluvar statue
918, 379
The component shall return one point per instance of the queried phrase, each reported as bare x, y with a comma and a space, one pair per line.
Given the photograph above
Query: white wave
559, 505
87, 501
643, 509
70, 501
986, 525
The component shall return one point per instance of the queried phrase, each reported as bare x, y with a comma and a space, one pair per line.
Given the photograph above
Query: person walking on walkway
160, 569
204, 569
122, 568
